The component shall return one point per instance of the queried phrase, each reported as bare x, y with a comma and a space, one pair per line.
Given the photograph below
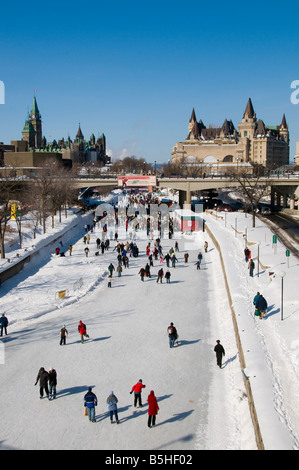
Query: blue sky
134, 70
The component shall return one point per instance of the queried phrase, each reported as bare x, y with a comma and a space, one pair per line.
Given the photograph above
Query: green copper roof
34, 109
28, 128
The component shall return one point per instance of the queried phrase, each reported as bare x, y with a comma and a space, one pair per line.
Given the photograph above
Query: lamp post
258, 259
282, 274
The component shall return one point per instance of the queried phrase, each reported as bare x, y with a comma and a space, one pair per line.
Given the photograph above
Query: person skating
186, 257
137, 389
219, 350
111, 268
142, 273
206, 246
112, 406
153, 408
82, 331
167, 276
3, 324
52, 382
63, 335
172, 334
90, 402
160, 275
43, 378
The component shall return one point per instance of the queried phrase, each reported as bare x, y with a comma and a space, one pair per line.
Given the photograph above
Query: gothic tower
36, 121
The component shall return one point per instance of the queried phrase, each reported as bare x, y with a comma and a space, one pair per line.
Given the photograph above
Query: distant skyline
135, 72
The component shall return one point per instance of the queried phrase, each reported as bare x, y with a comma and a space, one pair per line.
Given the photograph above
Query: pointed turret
79, 134
283, 123
34, 110
249, 111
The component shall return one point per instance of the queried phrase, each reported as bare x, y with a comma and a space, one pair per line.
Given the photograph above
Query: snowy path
201, 407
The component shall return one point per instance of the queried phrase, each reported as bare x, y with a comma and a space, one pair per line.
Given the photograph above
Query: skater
90, 402
112, 407
176, 246
160, 275
86, 250
206, 246
186, 256
82, 331
137, 389
119, 270
167, 276
109, 281
167, 259
153, 408
172, 334
251, 267
199, 259
261, 305
63, 335
3, 324
147, 270
52, 383
111, 268
246, 254
71, 249
219, 350
173, 260
142, 273
43, 378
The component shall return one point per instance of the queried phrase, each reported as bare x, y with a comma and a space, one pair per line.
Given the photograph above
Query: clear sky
135, 70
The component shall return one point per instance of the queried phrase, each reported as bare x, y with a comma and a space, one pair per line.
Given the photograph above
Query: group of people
91, 401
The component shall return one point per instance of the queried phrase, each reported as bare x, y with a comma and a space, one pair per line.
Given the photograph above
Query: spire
193, 117
249, 111
284, 122
79, 134
35, 110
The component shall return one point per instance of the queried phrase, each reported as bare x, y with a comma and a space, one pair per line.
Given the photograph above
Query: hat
140, 380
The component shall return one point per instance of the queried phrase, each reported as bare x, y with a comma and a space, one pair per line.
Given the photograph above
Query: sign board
287, 252
274, 238
136, 181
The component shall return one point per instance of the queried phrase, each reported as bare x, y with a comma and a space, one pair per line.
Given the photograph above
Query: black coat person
43, 378
219, 350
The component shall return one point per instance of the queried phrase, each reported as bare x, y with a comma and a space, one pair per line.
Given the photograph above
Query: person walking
219, 350
43, 378
90, 402
251, 267
82, 331
172, 334
3, 324
153, 408
52, 383
261, 305
246, 254
137, 389
71, 249
63, 335
112, 406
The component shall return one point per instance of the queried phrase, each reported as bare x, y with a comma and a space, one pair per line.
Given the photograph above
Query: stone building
253, 143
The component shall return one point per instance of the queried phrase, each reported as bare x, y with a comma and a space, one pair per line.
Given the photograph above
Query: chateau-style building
253, 143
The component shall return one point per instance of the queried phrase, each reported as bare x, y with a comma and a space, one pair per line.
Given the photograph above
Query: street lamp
282, 274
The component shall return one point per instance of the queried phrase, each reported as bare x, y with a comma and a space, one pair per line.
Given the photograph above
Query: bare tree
253, 188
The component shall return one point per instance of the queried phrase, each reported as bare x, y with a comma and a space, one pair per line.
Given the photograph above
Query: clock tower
36, 121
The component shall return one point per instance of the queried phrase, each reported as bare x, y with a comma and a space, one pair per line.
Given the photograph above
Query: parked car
225, 207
